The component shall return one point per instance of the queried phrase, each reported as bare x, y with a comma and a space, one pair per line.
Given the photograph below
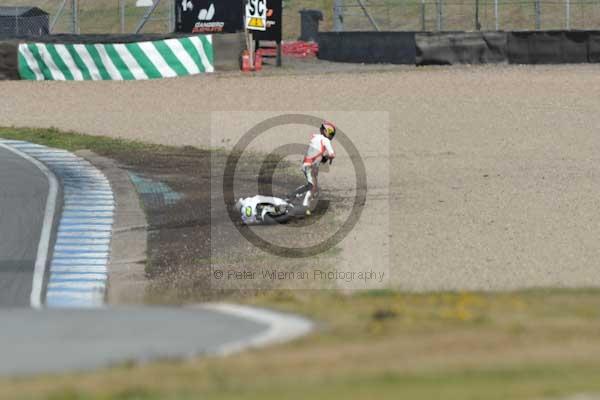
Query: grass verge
384, 344
75, 141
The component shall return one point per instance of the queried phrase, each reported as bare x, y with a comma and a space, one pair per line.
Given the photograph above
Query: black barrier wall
549, 47
368, 47
448, 48
594, 46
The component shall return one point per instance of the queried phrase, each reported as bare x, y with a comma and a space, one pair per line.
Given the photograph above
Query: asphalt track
23, 192
61, 340
52, 341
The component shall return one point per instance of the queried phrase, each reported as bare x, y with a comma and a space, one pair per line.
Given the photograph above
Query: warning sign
256, 23
256, 15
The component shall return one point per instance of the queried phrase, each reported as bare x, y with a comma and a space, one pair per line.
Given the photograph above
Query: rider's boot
298, 193
307, 197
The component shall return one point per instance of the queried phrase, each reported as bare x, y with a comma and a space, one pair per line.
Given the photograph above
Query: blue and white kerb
78, 268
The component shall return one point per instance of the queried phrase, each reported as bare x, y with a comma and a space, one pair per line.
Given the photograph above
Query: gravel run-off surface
479, 177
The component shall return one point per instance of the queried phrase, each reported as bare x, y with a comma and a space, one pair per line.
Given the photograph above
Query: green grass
75, 141
526, 382
426, 346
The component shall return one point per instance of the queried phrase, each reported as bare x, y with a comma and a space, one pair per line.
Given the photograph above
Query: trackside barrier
548, 47
368, 47
447, 48
120, 61
93, 56
118, 56
594, 46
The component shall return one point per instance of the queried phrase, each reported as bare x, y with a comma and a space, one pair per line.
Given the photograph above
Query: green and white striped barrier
127, 61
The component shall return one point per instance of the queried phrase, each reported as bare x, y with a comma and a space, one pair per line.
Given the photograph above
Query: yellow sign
256, 15
256, 23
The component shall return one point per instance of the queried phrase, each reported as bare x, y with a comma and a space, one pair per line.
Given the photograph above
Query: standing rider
319, 151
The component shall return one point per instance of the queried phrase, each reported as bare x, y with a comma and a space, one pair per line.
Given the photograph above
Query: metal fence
127, 16
465, 15
105, 16
17, 23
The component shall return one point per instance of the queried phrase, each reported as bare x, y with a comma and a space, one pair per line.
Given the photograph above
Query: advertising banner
209, 16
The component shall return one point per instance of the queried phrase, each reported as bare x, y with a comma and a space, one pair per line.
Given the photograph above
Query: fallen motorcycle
268, 210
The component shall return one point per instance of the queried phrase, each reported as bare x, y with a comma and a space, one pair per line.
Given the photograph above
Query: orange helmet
328, 130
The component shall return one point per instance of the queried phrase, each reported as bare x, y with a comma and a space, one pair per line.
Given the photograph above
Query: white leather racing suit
318, 147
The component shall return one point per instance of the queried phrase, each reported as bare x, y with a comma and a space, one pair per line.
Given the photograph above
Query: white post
74, 17
122, 14
568, 13
440, 15
172, 16
423, 21
338, 15
496, 15
251, 50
